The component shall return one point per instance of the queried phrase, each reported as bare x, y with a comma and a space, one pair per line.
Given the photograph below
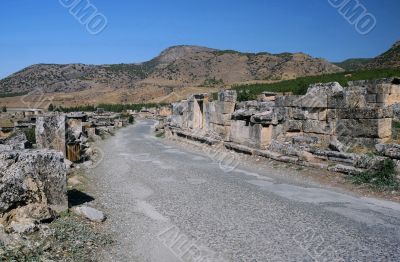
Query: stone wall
327, 117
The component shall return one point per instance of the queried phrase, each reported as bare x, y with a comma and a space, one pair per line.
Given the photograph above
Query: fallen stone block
389, 150
239, 148
267, 154
90, 213
336, 145
369, 162
16, 141
344, 169
289, 159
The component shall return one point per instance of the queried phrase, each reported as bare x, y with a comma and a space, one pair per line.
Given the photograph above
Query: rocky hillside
354, 64
389, 59
176, 67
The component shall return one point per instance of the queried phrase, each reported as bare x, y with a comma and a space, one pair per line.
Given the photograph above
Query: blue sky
45, 32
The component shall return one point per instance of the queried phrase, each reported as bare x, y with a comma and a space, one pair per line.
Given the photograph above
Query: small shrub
131, 120
30, 135
380, 179
160, 134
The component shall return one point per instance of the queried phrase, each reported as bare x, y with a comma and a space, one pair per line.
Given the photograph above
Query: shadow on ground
76, 198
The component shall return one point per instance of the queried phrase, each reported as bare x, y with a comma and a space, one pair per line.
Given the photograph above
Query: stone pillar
51, 132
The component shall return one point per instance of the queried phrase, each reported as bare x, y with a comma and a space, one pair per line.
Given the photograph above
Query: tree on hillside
50, 108
4, 109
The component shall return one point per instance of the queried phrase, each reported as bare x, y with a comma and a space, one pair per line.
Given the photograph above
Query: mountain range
177, 71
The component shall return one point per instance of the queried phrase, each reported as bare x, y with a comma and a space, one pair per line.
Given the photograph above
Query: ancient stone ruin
321, 128
32, 189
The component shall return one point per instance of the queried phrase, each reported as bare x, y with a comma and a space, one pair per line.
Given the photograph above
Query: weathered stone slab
314, 100
318, 127
325, 88
337, 100
51, 132
225, 107
369, 162
267, 118
90, 213
16, 141
288, 101
365, 113
366, 128
350, 170
294, 126
227, 96
260, 137
33, 178
389, 150
371, 98
240, 133
305, 140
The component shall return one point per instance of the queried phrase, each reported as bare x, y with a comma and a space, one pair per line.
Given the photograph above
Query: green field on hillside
300, 85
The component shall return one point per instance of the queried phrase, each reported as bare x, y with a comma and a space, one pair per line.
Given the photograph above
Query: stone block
227, 96
395, 89
365, 113
325, 88
240, 133
225, 107
51, 132
331, 114
221, 130
294, 126
345, 169
382, 98
364, 128
314, 100
267, 118
337, 100
288, 101
299, 114
260, 137
380, 88
355, 99
392, 99
318, 127
389, 150
33, 178
371, 98
322, 115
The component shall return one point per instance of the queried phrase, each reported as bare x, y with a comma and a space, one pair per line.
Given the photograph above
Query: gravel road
169, 203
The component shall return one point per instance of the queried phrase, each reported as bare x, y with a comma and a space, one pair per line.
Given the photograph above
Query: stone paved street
169, 203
